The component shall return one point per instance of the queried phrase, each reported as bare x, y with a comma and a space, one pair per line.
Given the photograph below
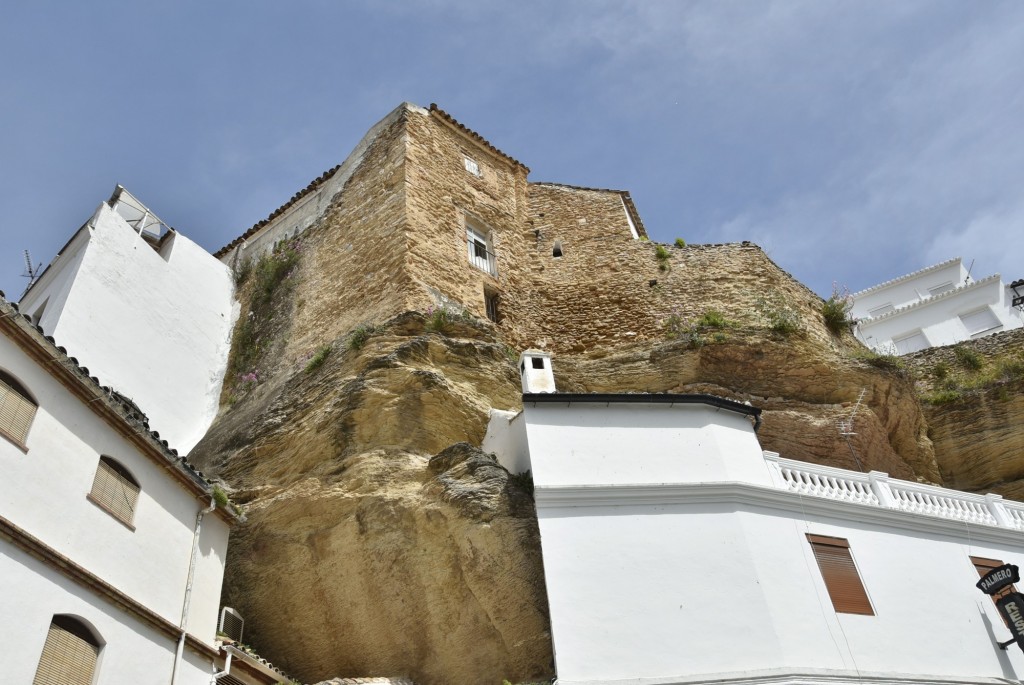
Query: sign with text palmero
998, 578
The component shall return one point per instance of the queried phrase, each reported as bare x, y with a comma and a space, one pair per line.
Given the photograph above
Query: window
910, 342
481, 253
17, 409
491, 304
939, 289
115, 490
879, 311
69, 654
556, 251
840, 575
980, 321
471, 166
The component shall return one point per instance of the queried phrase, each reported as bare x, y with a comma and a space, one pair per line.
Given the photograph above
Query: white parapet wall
675, 551
151, 320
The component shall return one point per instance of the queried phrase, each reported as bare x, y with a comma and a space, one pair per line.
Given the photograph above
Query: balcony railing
876, 489
481, 257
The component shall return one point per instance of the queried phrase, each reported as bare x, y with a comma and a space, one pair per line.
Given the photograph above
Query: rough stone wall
353, 266
442, 195
608, 288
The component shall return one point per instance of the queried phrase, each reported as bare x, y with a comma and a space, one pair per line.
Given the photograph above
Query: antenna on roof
846, 426
967, 279
31, 272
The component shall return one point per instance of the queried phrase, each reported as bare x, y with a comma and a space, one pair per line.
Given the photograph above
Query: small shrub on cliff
677, 327
439, 320
318, 359
242, 272
940, 371
1011, 369
967, 358
220, 497
274, 268
680, 242
942, 397
360, 335
661, 253
713, 318
836, 309
780, 317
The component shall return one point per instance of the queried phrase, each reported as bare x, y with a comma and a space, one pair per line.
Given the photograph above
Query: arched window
17, 408
115, 489
69, 654
556, 251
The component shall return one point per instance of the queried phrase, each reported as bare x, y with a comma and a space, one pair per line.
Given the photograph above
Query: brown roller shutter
16, 409
69, 654
840, 575
115, 490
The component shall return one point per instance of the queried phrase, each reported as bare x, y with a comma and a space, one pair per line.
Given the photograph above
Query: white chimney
535, 369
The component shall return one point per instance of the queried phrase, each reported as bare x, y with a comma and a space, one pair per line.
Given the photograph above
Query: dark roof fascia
313, 185
640, 398
474, 136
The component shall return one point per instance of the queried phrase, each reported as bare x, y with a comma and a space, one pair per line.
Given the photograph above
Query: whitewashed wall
670, 557
44, 492
938, 318
912, 288
133, 651
155, 326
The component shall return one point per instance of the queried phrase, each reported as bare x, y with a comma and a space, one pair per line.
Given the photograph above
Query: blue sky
854, 141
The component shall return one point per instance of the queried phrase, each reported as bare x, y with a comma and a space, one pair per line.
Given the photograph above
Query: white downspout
227, 668
188, 589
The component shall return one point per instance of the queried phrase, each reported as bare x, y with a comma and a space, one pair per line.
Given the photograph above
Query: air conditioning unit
231, 624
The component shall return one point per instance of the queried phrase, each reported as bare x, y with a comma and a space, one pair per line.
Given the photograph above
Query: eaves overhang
123, 416
641, 398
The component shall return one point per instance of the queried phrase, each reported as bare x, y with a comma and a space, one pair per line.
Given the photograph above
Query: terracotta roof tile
313, 185
434, 109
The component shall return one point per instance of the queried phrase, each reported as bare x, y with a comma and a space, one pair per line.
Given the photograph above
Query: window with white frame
910, 342
880, 310
941, 288
980, 321
471, 166
480, 249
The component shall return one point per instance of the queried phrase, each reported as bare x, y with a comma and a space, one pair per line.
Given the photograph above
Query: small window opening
491, 304
471, 166
538, 362
557, 250
840, 575
17, 409
522, 367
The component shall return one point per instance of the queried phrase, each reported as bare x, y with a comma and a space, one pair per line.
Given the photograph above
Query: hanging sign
1011, 607
998, 578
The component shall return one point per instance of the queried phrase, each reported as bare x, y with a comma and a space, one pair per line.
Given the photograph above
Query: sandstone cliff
380, 540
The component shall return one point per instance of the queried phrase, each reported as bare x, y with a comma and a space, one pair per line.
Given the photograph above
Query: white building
939, 305
111, 549
146, 309
676, 551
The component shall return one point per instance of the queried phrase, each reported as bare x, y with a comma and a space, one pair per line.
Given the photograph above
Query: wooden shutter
983, 566
840, 574
69, 654
16, 409
115, 490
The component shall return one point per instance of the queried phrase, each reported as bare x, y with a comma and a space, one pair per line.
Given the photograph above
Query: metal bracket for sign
1004, 645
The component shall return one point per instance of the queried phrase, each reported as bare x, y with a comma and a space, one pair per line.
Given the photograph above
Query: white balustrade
878, 490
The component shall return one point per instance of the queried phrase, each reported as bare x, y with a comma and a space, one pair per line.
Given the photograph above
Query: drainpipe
188, 589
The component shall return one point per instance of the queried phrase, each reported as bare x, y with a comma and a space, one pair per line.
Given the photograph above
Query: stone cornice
648, 494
